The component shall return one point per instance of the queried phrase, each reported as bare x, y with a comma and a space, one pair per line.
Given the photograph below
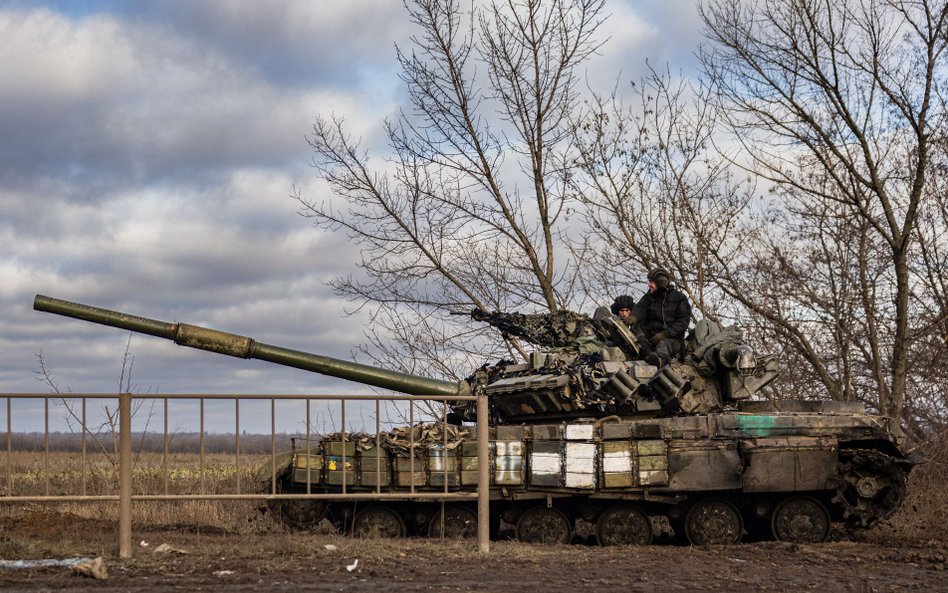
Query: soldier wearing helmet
660, 319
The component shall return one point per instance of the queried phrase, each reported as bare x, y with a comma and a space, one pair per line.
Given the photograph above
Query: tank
587, 441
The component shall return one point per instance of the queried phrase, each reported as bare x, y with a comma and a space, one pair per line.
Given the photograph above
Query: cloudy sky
148, 153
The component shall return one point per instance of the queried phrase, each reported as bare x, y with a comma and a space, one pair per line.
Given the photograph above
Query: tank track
871, 487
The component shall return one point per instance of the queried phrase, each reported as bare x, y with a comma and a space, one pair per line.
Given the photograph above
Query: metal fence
120, 420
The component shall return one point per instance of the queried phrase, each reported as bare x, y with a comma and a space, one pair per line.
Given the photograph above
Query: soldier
622, 308
660, 319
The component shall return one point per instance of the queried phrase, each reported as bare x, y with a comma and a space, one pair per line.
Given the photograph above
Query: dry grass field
67, 473
26, 473
233, 546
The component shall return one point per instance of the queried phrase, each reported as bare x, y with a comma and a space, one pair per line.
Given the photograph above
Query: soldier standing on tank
659, 320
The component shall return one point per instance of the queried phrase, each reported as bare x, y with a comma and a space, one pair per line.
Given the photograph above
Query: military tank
585, 436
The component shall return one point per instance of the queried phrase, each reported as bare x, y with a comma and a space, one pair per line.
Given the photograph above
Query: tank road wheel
713, 521
801, 520
459, 522
871, 486
295, 513
623, 525
298, 513
376, 522
544, 525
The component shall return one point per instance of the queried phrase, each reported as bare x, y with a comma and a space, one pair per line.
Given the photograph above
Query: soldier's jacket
665, 310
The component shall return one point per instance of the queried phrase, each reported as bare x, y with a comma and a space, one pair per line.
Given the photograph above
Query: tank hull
709, 479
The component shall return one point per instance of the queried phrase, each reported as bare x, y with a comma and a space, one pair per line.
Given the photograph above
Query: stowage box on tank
583, 431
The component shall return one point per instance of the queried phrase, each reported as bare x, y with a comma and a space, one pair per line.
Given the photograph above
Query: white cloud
46, 55
134, 102
148, 153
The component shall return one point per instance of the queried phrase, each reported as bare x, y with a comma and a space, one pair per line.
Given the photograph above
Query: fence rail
121, 423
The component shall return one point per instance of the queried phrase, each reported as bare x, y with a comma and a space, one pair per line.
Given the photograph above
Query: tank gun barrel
204, 338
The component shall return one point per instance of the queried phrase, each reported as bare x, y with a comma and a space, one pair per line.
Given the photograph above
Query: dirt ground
302, 562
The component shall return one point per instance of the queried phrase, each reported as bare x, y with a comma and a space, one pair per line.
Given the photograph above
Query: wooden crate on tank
548, 432
618, 467
616, 431
651, 462
508, 463
585, 431
469, 466
341, 455
410, 473
443, 465
580, 465
546, 463
375, 467
509, 433
309, 467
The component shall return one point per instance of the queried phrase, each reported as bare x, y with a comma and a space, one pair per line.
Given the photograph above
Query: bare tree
468, 209
655, 192
927, 392
99, 424
835, 105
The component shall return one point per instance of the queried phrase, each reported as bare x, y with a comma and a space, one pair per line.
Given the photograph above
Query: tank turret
586, 368
590, 367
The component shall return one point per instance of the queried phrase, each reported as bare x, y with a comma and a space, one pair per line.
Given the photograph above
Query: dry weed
33, 474
923, 517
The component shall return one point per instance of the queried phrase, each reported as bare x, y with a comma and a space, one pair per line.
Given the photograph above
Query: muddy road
306, 562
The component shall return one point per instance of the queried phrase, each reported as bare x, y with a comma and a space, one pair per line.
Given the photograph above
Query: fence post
125, 475
483, 474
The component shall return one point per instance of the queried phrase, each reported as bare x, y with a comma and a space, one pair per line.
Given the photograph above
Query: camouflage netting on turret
362, 440
592, 366
398, 441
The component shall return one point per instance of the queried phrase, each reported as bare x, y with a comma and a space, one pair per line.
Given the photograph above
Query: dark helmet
660, 277
622, 302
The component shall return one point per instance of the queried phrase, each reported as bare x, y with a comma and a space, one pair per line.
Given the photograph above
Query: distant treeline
189, 442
